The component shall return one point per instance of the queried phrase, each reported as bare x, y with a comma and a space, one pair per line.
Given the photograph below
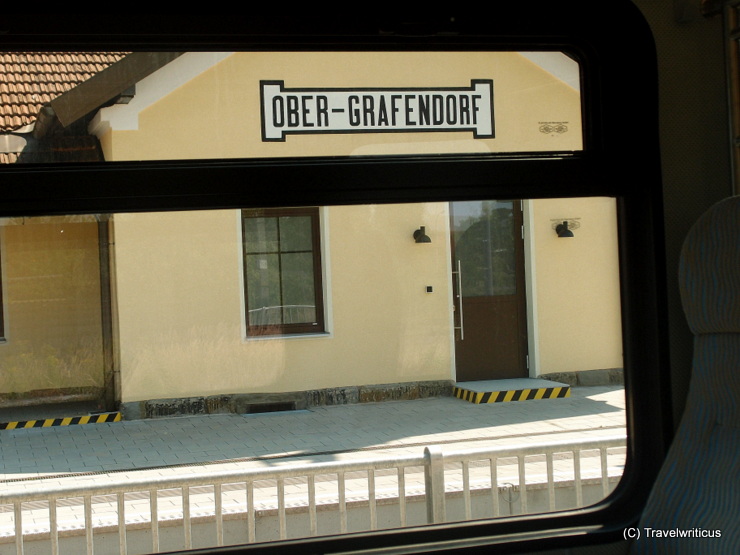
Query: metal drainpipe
109, 386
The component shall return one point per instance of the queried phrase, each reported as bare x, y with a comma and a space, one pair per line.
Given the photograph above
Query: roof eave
100, 89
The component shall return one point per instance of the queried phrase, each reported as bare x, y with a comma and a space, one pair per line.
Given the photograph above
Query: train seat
694, 506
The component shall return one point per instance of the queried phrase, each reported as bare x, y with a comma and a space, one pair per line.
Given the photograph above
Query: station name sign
310, 111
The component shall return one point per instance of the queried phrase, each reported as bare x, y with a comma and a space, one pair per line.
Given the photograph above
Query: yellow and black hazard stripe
66, 421
481, 397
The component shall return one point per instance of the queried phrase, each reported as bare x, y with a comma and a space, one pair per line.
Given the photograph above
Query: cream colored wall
51, 298
179, 295
217, 114
180, 305
181, 319
577, 286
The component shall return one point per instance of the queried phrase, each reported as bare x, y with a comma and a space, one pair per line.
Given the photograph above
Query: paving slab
315, 434
36, 459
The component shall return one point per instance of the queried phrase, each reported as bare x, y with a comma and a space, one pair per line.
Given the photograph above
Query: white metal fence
432, 478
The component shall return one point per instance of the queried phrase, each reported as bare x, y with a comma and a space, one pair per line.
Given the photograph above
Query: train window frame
609, 68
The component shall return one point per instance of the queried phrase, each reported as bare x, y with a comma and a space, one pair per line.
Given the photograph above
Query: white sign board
413, 110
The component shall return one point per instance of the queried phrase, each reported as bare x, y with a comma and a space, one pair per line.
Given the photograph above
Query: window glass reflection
128, 106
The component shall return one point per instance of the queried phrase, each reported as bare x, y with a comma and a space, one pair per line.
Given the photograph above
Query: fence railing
444, 474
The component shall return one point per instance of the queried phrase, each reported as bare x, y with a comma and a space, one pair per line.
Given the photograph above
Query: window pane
485, 235
295, 233
298, 288
413, 354
263, 277
240, 311
124, 106
261, 235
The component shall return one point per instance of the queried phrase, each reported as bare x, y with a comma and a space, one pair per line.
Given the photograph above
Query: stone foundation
585, 378
245, 403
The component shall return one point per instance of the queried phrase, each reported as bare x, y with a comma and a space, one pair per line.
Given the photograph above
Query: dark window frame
317, 327
620, 134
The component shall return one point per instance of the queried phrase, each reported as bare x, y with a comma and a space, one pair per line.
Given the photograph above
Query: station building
231, 310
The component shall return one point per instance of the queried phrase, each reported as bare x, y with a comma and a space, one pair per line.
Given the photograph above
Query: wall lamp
563, 231
564, 228
420, 235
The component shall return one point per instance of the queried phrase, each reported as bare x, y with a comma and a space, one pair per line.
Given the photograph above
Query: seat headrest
709, 270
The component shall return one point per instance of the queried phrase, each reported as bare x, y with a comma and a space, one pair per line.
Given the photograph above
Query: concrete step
519, 389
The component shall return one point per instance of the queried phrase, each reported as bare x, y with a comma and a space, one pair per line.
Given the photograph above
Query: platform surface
34, 459
28, 457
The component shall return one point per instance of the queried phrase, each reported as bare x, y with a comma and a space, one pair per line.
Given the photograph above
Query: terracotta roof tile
28, 80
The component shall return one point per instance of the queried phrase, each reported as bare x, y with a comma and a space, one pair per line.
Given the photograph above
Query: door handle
461, 327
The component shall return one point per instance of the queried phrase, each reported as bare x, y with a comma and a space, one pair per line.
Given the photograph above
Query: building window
282, 268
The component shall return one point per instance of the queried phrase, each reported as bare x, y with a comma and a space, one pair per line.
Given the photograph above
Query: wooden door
490, 301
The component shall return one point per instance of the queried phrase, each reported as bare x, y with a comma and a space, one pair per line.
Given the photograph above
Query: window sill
291, 336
